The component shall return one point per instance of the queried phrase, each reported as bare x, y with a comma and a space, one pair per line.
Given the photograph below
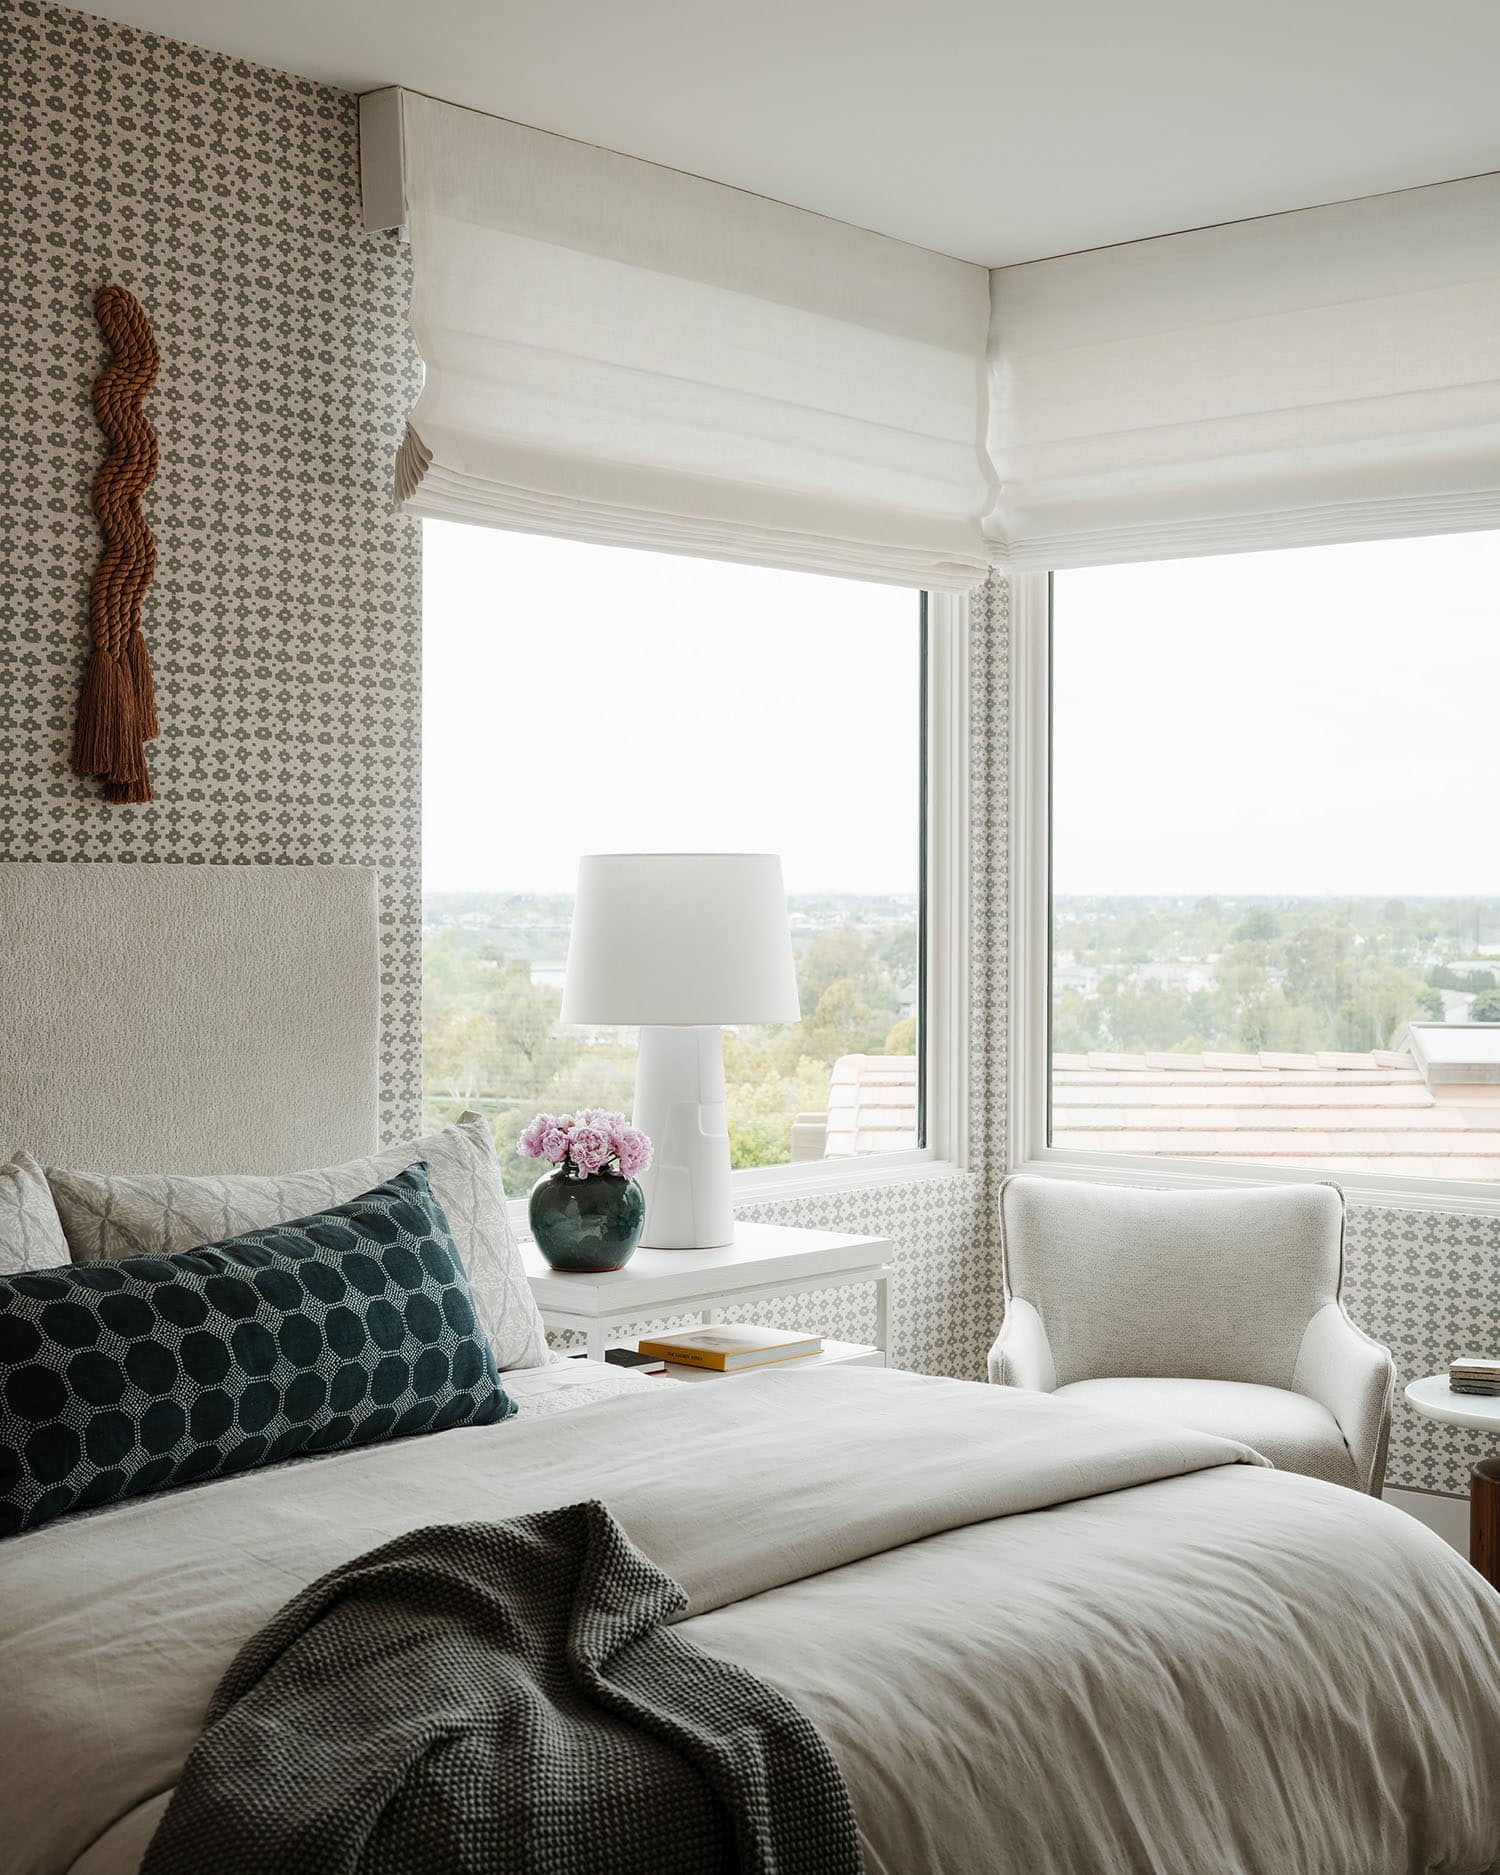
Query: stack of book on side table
729, 1348
1469, 1374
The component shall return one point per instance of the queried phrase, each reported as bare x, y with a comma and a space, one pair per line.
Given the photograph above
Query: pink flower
530, 1142
601, 1117
632, 1149
555, 1143
590, 1150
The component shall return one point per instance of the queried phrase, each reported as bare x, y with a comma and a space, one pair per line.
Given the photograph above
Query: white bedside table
763, 1260
1435, 1399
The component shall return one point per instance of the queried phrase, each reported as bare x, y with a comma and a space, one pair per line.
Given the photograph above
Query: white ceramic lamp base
679, 1103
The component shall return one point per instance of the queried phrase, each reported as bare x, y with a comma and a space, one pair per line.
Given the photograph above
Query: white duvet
1040, 1640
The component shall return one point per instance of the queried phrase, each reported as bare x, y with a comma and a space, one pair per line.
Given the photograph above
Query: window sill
782, 1184
1391, 1194
772, 1184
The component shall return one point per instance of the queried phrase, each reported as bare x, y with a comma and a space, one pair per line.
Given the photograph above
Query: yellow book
725, 1347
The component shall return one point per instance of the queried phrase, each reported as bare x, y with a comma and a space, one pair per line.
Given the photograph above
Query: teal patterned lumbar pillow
335, 1330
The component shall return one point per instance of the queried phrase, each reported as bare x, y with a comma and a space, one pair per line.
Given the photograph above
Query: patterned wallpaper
1427, 1283
284, 620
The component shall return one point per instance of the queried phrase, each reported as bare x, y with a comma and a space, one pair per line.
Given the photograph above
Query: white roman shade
1331, 374
622, 353
619, 352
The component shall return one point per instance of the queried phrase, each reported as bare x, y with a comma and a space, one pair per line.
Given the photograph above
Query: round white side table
1435, 1399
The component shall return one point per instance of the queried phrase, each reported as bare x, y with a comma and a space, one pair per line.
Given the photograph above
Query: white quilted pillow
155, 1213
31, 1233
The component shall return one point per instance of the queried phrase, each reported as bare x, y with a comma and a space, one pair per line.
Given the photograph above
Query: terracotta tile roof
1331, 1111
872, 1105
1341, 1112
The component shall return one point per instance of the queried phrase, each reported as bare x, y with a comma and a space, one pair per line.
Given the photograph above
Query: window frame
943, 1070
1030, 985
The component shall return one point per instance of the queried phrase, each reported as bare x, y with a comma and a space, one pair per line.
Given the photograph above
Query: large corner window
1275, 910
582, 699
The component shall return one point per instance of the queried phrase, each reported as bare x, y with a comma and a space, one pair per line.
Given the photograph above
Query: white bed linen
565, 1385
1040, 1640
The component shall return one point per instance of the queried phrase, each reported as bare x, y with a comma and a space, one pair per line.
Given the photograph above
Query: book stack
1472, 1375
726, 1348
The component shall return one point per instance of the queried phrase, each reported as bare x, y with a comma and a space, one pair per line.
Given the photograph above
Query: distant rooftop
1454, 1053
872, 1107
1331, 1111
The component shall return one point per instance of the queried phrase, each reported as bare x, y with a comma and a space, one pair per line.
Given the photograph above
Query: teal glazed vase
586, 1224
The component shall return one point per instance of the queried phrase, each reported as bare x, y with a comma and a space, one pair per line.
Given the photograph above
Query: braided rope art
117, 712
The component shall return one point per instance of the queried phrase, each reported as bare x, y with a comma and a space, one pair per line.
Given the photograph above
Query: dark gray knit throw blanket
500, 1699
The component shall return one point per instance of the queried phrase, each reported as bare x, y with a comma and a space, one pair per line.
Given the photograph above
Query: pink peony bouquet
588, 1141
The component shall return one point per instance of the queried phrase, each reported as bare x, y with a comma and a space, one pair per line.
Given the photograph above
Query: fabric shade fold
623, 353
1327, 375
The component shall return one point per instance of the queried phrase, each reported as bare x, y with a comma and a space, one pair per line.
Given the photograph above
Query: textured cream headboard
188, 1018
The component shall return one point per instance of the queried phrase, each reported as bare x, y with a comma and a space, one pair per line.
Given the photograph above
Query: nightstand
765, 1260
1476, 1412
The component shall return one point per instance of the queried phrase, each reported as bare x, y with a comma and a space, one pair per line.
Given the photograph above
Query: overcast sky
1316, 722
588, 699
1321, 721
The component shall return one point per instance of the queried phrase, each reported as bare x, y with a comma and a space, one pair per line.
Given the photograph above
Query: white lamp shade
680, 940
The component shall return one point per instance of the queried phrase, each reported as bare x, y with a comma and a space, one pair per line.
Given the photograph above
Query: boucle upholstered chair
1214, 1309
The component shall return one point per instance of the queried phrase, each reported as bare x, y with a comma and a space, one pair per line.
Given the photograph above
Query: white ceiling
997, 130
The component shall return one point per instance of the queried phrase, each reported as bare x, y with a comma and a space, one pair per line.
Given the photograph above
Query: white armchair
1214, 1309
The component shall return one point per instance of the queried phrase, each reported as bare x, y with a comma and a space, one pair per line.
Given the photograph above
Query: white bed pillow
153, 1213
31, 1233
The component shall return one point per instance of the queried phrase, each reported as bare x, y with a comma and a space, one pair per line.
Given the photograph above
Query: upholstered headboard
188, 1018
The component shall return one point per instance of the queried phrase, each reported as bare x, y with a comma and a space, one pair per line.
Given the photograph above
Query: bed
1038, 1639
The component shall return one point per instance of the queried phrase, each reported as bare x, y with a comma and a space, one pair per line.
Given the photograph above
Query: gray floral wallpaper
285, 619
284, 622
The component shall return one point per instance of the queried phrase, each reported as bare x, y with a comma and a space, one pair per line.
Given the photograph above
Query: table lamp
681, 943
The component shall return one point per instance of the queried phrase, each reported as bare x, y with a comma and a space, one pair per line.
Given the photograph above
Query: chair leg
1484, 1519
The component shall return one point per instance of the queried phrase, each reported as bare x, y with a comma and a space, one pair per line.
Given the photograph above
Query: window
1275, 911
590, 699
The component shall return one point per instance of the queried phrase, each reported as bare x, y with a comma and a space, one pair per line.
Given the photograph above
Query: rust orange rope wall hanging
117, 712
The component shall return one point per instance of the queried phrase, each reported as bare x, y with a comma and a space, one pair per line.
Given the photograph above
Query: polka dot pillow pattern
336, 1330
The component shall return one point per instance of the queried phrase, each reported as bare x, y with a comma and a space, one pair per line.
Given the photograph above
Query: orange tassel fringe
117, 711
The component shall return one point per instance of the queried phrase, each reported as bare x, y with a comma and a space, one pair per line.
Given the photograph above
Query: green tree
1380, 1000
1075, 1023
1259, 925
832, 957
1485, 1007
1445, 977
1430, 1004
1317, 968
841, 1024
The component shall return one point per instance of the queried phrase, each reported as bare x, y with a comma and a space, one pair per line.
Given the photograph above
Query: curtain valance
623, 353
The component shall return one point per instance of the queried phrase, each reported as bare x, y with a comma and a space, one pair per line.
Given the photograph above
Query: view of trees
492, 971
1181, 975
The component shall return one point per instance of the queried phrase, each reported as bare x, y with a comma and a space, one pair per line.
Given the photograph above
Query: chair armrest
1354, 1377
1022, 1355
